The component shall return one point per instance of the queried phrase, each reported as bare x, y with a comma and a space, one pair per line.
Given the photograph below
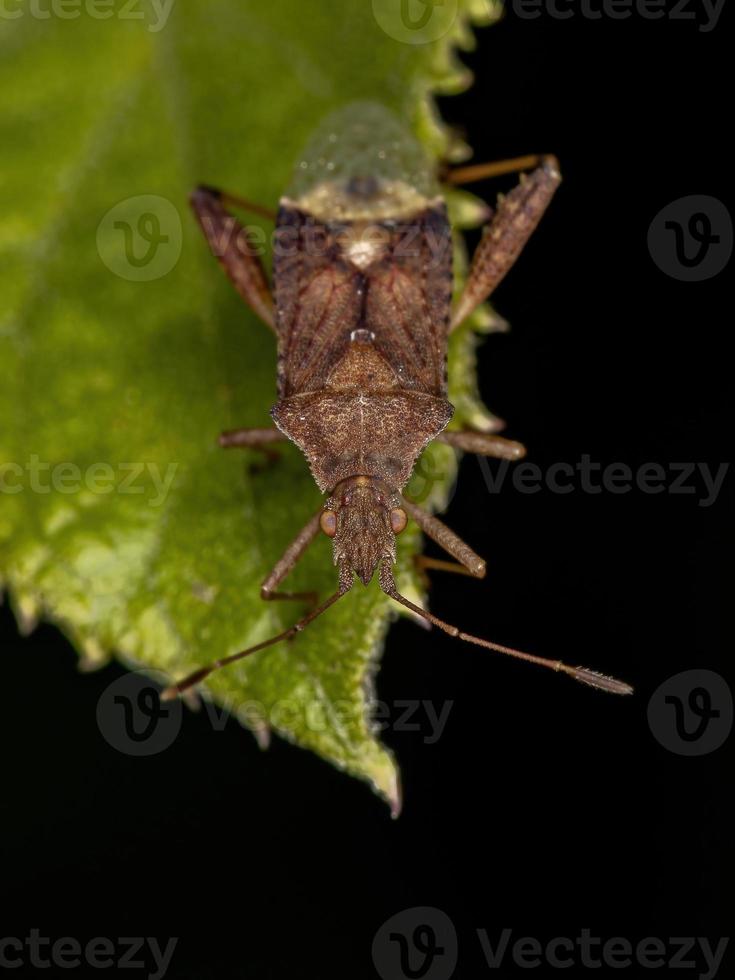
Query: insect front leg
484, 444
503, 239
228, 240
288, 560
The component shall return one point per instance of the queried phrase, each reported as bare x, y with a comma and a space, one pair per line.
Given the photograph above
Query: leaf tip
396, 800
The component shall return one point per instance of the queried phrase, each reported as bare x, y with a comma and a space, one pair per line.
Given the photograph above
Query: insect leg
495, 168
234, 201
228, 241
446, 538
169, 693
425, 563
259, 439
288, 560
484, 444
503, 239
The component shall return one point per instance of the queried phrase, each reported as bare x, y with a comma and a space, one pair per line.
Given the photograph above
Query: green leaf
109, 375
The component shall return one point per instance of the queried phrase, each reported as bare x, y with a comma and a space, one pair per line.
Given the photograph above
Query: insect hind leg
457, 176
228, 240
504, 237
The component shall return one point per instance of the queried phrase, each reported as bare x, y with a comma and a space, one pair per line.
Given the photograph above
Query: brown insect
362, 309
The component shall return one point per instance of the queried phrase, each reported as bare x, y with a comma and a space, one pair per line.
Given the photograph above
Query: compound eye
328, 523
398, 520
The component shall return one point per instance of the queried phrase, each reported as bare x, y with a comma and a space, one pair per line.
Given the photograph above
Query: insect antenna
583, 674
199, 675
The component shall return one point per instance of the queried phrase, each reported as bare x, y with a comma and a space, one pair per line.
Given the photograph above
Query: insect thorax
363, 282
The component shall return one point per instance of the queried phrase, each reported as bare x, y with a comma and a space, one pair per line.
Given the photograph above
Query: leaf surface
120, 519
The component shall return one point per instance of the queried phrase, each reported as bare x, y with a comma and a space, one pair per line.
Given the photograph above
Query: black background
544, 807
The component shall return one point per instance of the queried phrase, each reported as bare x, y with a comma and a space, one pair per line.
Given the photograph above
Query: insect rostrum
361, 308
